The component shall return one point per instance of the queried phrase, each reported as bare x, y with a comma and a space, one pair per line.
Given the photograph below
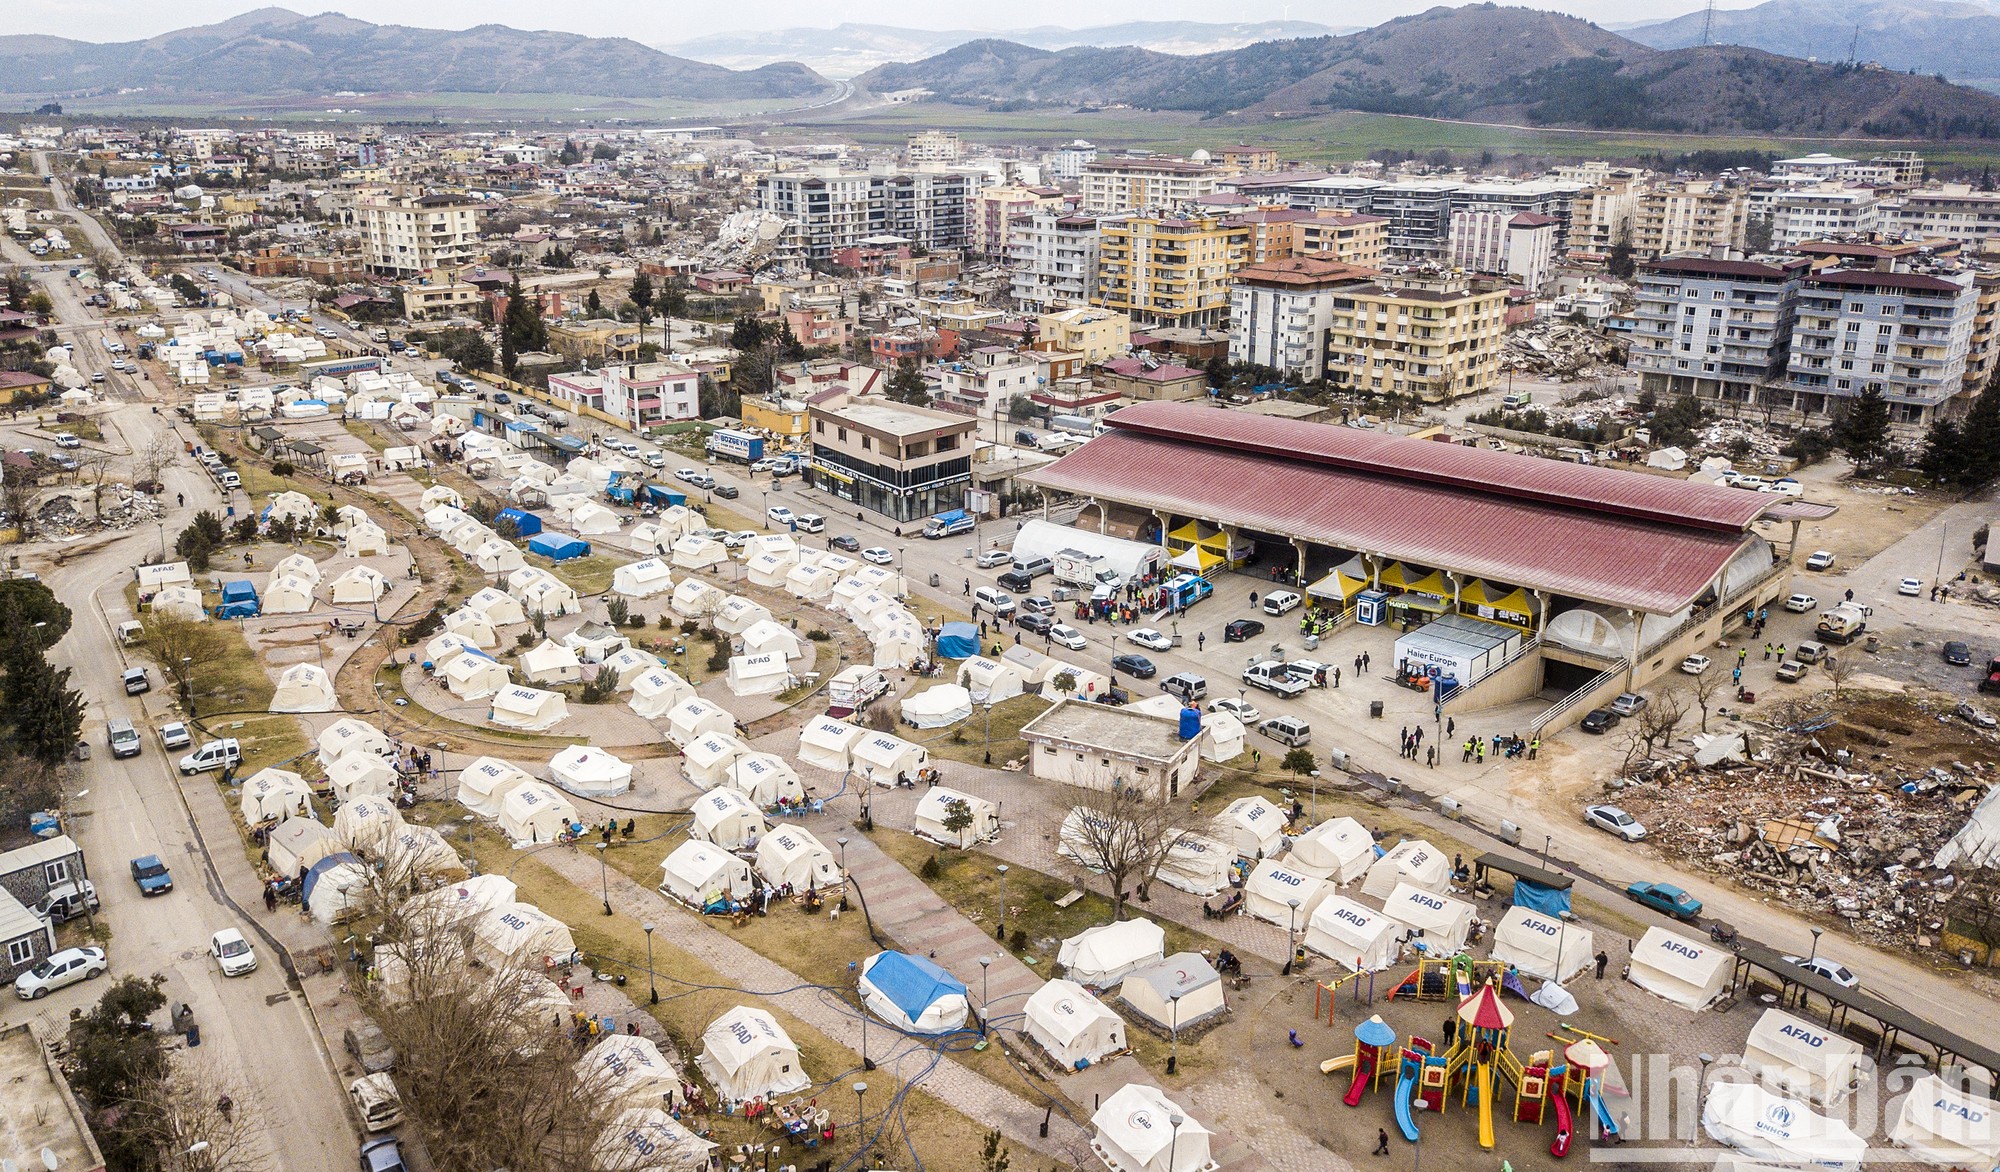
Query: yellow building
784, 418
1689, 219
1243, 157
1169, 271
597, 340
1352, 238
1436, 337
785, 292
1097, 334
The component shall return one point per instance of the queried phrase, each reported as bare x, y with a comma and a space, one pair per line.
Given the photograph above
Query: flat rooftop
894, 419
1108, 728
37, 1111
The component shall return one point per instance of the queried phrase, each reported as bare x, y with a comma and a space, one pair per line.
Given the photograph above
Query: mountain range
848, 49
1959, 40
277, 52
1479, 62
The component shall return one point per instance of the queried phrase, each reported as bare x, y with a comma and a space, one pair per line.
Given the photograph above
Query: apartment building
1132, 185
1686, 218
1432, 335
1819, 212
1280, 312
1718, 329
1982, 354
1519, 246
1267, 232
933, 146
1173, 271
986, 379
1906, 335
1098, 334
1954, 211
1053, 259
1419, 211
994, 210
1066, 163
639, 395
1352, 238
837, 209
404, 235
1828, 168
891, 458
1244, 158
1601, 215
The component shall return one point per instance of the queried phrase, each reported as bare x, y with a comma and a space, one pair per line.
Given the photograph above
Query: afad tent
827, 743
1106, 954
549, 662
590, 773
707, 759
791, 854
527, 709
442, 649
297, 565
348, 735
738, 614
1134, 1133
812, 583
1353, 935
500, 608
1254, 826
768, 637
692, 718
1414, 862
939, 805
758, 675
1542, 946
522, 934
298, 843
1196, 864
289, 594
274, 793
485, 784
656, 691
366, 825
1765, 1126
362, 775
593, 520
770, 570
1075, 1028
304, 687
1180, 992
766, 779
473, 627
698, 874
626, 1068
746, 1054
1792, 1055
535, 813
727, 819
1340, 849
1946, 1125
1444, 922
364, 540
643, 579
694, 552
336, 888
182, 600
1674, 967
992, 680
649, 1139
418, 856
882, 758
475, 675
1270, 889
626, 663
913, 994
359, 586
496, 556
938, 706
458, 902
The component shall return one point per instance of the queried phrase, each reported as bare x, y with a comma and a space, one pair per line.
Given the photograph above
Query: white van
999, 602
213, 755
122, 737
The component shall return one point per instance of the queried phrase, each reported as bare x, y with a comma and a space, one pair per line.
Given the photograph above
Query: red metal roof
1529, 478
1552, 546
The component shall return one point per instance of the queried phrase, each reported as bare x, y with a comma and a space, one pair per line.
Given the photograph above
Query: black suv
1016, 581
1240, 630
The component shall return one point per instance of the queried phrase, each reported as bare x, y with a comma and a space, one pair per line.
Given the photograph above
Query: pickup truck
1273, 676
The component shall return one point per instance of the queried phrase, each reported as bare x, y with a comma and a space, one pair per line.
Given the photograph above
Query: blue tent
317, 872
558, 546
958, 641
1538, 897
913, 993
526, 524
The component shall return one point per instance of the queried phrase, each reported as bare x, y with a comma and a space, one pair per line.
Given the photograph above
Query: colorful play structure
1442, 977
1477, 1062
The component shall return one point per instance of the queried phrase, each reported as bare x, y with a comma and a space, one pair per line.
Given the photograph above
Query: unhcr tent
738, 614
767, 637
791, 854
770, 570
935, 807
812, 583
590, 773
485, 784
694, 552
535, 812
1413, 862
1792, 1055
1946, 1125
558, 547
642, 579
695, 717
304, 687
473, 627
1339, 849
696, 599
1196, 864
365, 825
274, 793
500, 608
359, 586
523, 934
497, 556
656, 691
697, 874
1075, 1028
1444, 922
827, 743
938, 706
1354, 935
289, 594
758, 675
298, 843
727, 819
765, 778
1106, 954
1270, 888
528, 709
336, 888
362, 775
1674, 967
1255, 827
1181, 991
1134, 1133
626, 663
1542, 946
746, 1054
475, 675
549, 662
706, 760
913, 994
1765, 1126
348, 735
881, 757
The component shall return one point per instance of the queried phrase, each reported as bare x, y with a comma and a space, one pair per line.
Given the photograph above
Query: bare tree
152, 460
186, 1122
1123, 834
94, 469
1838, 668
179, 645
1706, 685
1659, 719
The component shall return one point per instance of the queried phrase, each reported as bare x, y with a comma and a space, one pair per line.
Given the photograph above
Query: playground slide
1406, 1085
1606, 1126
1565, 1126
1364, 1070
1336, 1065
1483, 1079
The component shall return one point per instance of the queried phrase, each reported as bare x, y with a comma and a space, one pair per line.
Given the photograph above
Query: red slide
1565, 1127
1364, 1069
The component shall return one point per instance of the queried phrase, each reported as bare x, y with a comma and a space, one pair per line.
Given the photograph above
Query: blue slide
1406, 1086
1606, 1126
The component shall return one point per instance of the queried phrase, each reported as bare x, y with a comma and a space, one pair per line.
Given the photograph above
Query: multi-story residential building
1903, 334
837, 209
984, 380
1954, 211
933, 146
638, 395
1519, 246
1698, 217
1820, 212
1826, 168
994, 210
1172, 271
1717, 329
1133, 185
1066, 163
1352, 238
1267, 232
1907, 167
1435, 336
404, 235
1982, 354
1419, 211
891, 458
1098, 334
1053, 258
1601, 215
1245, 158
1280, 311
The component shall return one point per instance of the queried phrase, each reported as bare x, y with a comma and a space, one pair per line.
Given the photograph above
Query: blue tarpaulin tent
912, 993
1550, 901
526, 524
958, 641
558, 546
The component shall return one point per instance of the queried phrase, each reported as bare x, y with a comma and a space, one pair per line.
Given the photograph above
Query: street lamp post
1174, 1140
1292, 935
985, 993
1315, 793
1694, 1125
860, 1111
1814, 954
1000, 933
604, 875
842, 842
1547, 839
652, 986
1174, 1032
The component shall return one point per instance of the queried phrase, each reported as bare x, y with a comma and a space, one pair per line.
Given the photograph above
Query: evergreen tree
789, 348
1619, 263
593, 304
641, 294
673, 298
1944, 458
570, 155
748, 333
1964, 452
45, 714
1864, 431
908, 386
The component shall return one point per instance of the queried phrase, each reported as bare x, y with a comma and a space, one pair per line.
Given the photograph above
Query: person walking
968, 581
1781, 651
1357, 665
1381, 1141
1479, 753
1431, 757
1451, 726
1419, 734
1365, 661
1767, 651
1603, 959
1201, 640
1336, 677
270, 898
1465, 752
1742, 653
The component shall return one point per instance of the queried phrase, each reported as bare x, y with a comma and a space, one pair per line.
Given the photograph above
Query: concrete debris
1562, 349
68, 513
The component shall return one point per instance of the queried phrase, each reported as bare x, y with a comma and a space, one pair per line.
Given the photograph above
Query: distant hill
1959, 40
1480, 62
849, 49
274, 52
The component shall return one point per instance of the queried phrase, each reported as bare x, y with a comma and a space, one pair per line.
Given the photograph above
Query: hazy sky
109, 20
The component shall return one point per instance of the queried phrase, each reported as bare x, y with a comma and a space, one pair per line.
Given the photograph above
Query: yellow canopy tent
1338, 586
1212, 543
1395, 576
1432, 583
1199, 559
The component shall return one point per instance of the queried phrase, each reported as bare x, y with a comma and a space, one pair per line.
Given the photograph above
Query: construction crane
1854, 46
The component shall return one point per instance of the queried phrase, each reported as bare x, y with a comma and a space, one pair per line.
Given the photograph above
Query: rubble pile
1837, 807
1560, 349
67, 514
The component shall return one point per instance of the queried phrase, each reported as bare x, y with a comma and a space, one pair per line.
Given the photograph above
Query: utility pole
1854, 46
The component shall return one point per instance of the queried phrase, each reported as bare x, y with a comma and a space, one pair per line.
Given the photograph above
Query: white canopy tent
792, 854
656, 691
1103, 955
304, 687
521, 933
696, 873
349, 735
549, 662
1353, 934
1412, 862
535, 812
1074, 1027
1133, 1134
935, 807
1946, 1125
274, 793
769, 637
1270, 888
297, 843
358, 586
758, 675
1256, 828
590, 772
1444, 922
706, 760
746, 1054
727, 819
475, 676
603, 643
1181, 991
938, 706
695, 717
365, 825
1765, 1126
527, 709
362, 775
1796, 1057
738, 614
485, 784
828, 743
1340, 849
765, 778
1542, 946
643, 579
1196, 864
880, 757
1684, 972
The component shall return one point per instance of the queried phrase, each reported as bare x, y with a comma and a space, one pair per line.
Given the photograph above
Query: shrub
666, 622
618, 611
818, 636
688, 626
930, 870
525, 639
1019, 940
718, 659
283, 468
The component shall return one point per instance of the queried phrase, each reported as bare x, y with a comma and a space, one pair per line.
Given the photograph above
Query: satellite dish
49, 1160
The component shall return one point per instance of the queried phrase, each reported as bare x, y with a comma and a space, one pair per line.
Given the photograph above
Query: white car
1910, 587
1832, 970
1821, 559
811, 523
174, 735
779, 515
685, 475
1694, 665
1068, 636
1613, 820
1800, 603
62, 968
1280, 601
878, 555
232, 953
66, 440
1242, 710
1150, 639
993, 557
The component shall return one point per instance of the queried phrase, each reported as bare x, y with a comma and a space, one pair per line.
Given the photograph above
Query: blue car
151, 875
1665, 898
